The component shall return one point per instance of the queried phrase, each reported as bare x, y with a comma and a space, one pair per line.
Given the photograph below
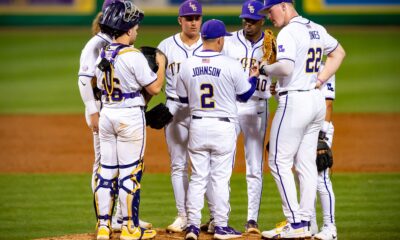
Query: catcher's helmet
119, 17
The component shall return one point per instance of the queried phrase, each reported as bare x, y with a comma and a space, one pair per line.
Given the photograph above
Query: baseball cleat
252, 227
137, 233
208, 226
103, 233
144, 224
179, 225
286, 230
116, 225
226, 233
328, 232
192, 233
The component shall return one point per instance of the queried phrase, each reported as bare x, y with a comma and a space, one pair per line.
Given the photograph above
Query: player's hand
318, 84
254, 72
94, 122
272, 88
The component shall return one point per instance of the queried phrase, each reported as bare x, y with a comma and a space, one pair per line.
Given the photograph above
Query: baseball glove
324, 153
269, 46
150, 55
158, 117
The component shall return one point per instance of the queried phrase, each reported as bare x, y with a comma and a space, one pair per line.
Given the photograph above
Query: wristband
319, 80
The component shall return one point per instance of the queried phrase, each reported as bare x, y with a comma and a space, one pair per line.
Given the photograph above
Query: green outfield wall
81, 13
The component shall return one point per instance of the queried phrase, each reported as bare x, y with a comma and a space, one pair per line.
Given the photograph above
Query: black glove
150, 55
158, 117
324, 153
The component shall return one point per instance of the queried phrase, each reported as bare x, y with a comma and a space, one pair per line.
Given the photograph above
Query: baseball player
300, 113
122, 72
210, 83
324, 187
178, 48
89, 94
246, 46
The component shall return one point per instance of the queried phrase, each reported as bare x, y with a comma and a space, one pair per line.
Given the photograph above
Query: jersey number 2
207, 92
313, 60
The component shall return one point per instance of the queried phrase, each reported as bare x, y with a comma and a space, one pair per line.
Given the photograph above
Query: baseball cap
269, 3
190, 7
213, 29
250, 10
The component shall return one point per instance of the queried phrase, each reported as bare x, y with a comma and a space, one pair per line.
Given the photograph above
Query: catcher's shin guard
130, 195
104, 196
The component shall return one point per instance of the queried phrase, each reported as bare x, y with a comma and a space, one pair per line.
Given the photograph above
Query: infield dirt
63, 144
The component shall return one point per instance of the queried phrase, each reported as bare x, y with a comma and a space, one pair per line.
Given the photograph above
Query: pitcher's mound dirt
161, 235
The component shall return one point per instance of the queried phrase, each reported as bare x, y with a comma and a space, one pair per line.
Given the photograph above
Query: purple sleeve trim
150, 83
85, 75
337, 45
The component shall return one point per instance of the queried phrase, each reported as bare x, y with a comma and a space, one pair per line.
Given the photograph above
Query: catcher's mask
119, 17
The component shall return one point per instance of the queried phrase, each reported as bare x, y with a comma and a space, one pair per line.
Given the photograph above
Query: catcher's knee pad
106, 190
130, 184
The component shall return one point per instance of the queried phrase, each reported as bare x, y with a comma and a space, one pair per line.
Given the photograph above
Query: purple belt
125, 95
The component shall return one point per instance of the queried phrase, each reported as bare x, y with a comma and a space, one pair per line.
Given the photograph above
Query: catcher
159, 116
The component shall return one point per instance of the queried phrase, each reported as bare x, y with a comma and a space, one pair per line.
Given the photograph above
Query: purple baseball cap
269, 3
250, 10
213, 28
190, 7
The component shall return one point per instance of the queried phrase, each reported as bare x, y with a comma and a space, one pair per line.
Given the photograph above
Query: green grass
39, 68
37, 205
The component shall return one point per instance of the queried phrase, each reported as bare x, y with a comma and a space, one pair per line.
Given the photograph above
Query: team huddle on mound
218, 85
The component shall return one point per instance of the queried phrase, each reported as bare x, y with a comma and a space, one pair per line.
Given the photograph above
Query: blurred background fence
163, 12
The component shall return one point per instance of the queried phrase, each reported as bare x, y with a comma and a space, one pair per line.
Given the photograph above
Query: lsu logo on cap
280, 48
194, 8
251, 8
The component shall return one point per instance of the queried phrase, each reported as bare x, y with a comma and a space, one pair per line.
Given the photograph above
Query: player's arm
254, 73
86, 91
282, 68
286, 54
332, 64
181, 90
155, 87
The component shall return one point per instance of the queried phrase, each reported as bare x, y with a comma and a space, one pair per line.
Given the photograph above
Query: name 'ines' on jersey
305, 43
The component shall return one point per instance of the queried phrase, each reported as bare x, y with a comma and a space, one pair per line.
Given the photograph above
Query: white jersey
131, 74
303, 42
177, 52
91, 52
211, 82
248, 54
